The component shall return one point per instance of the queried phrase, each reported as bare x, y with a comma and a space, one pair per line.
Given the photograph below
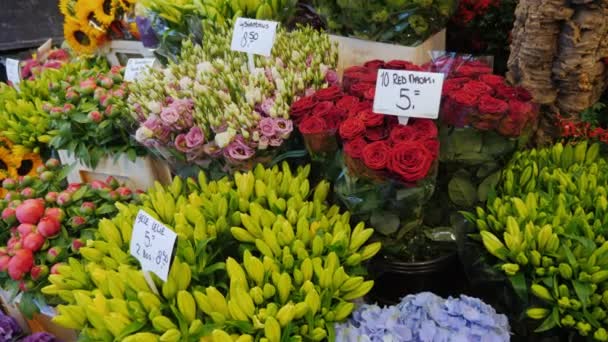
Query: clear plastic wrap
401, 22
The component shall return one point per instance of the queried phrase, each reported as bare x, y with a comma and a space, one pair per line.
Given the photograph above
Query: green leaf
550, 322
131, 329
496, 145
385, 223
79, 194
583, 291
468, 216
466, 140
27, 306
105, 209
462, 193
65, 171
489, 183
80, 118
131, 154
518, 282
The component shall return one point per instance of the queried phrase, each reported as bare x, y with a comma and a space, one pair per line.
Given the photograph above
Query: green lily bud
601, 334
575, 304
510, 269
564, 291
564, 303
583, 328
565, 271
522, 259
568, 321
547, 262
494, 245
535, 258
541, 292
540, 271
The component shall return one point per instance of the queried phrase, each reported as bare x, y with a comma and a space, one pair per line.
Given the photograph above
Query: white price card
152, 244
13, 72
254, 36
408, 93
136, 67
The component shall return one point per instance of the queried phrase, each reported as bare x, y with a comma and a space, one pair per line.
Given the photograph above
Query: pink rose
195, 137
267, 127
181, 144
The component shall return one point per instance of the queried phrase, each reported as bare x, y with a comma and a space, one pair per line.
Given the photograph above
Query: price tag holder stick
250, 62
150, 282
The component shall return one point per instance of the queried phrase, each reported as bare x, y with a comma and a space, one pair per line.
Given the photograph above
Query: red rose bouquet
483, 120
389, 168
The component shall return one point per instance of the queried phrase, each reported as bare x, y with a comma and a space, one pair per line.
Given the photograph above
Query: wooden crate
140, 174
353, 51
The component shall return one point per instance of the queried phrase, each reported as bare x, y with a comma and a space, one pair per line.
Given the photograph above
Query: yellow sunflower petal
80, 39
106, 13
29, 164
66, 7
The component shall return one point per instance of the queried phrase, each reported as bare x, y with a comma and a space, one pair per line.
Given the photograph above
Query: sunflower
8, 163
81, 39
29, 164
127, 5
106, 13
66, 7
85, 9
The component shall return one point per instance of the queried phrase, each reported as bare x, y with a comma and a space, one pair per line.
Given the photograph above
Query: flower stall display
546, 230
42, 223
406, 23
88, 115
390, 168
260, 256
483, 121
210, 110
11, 332
88, 24
426, 317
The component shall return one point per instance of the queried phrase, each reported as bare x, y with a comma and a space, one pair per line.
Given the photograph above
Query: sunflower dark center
82, 37
3, 165
107, 7
25, 168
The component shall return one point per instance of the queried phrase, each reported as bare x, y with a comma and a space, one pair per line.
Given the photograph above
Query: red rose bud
49, 227
27, 193
53, 255
72, 96
124, 193
112, 182
68, 108
33, 241
113, 196
73, 187
20, 264
55, 268
46, 107
30, 211
4, 262
87, 208
95, 116
119, 93
26, 285
98, 185
52, 163
76, 244
88, 86
64, 198
77, 222
56, 112
111, 111
39, 272
56, 213
9, 184
9, 216
106, 82
40, 169
25, 228
51, 197
54, 87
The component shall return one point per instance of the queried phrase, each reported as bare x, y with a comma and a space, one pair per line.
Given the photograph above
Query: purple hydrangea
40, 337
9, 329
426, 317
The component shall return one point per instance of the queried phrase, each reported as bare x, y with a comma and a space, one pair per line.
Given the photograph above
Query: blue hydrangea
426, 317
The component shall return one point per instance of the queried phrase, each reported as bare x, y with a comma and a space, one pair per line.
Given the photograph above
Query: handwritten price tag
13, 72
254, 36
136, 67
408, 93
152, 244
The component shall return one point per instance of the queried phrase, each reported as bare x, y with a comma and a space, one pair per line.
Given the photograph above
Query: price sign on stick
136, 67
254, 36
408, 93
152, 244
13, 72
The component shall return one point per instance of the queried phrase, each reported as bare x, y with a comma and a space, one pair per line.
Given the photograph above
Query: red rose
402, 65
506, 92
371, 119
486, 124
523, 94
492, 105
358, 108
477, 87
322, 108
355, 69
376, 155
425, 129
410, 160
354, 148
449, 86
492, 80
328, 94
401, 133
464, 98
374, 64
302, 108
352, 128
473, 71
432, 145
513, 124
312, 125
334, 117
359, 89
375, 133
347, 102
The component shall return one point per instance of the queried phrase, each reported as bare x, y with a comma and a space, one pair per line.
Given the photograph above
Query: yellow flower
127, 5
8, 163
66, 7
81, 39
29, 164
85, 9
106, 13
